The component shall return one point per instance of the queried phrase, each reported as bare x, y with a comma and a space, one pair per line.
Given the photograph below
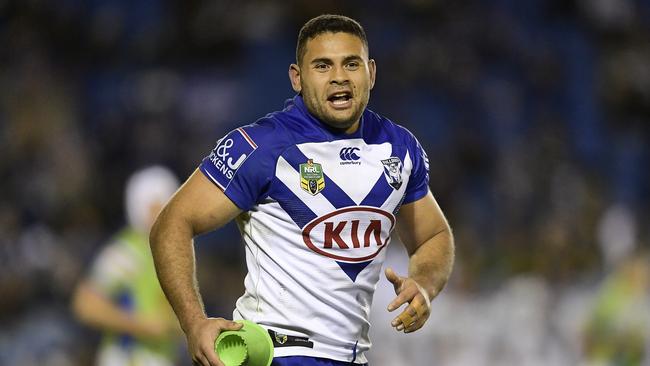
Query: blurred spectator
121, 296
618, 331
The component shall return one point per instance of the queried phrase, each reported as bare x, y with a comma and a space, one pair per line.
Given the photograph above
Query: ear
372, 67
294, 76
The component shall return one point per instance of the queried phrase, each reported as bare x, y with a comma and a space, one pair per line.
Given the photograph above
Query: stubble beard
320, 111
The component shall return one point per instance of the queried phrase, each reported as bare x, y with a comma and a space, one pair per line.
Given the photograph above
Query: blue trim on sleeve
231, 194
242, 164
418, 185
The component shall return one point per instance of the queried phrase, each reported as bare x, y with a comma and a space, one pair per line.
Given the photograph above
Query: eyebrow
329, 61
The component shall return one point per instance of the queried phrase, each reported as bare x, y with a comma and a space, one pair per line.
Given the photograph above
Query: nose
339, 76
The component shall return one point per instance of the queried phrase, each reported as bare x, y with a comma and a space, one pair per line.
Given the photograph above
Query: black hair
327, 23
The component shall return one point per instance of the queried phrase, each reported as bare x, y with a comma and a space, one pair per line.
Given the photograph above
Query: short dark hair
327, 23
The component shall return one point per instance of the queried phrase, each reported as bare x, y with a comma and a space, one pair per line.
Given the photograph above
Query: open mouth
340, 100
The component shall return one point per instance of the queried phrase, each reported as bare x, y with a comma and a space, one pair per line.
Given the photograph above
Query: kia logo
348, 153
351, 234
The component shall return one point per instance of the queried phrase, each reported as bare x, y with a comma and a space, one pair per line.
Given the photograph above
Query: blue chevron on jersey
353, 269
337, 197
297, 210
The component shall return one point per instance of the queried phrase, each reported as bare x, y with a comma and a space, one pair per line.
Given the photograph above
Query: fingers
409, 323
230, 325
422, 315
403, 297
414, 316
207, 347
406, 318
211, 355
206, 356
201, 340
200, 360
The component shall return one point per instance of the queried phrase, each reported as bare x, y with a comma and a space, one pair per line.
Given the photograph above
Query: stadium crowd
535, 115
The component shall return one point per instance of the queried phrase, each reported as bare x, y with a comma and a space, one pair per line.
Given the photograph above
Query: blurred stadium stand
535, 115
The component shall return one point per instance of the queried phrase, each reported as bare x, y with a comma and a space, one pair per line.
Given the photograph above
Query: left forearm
427, 237
431, 263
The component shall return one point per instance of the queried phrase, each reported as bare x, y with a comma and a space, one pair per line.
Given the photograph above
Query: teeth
339, 101
341, 95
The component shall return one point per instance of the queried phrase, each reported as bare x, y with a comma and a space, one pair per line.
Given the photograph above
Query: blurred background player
121, 295
618, 330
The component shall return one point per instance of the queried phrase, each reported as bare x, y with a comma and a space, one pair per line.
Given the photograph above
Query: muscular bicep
201, 205
419, 221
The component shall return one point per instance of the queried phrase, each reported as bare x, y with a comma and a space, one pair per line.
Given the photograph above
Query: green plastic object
249, 346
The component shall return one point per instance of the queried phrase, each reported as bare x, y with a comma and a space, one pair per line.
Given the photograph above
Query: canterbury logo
349, 153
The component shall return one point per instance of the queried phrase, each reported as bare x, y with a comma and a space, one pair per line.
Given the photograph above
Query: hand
201, 336
408, 291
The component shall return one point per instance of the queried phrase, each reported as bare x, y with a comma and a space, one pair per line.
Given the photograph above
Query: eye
352, 65
321, 67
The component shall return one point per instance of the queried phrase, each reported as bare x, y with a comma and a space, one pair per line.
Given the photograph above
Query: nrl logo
312, 179
393, 171
281, 338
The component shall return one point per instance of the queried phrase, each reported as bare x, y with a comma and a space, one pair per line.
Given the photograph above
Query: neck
352, 129
342, 130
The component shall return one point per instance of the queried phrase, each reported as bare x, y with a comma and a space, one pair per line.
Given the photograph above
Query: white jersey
320, 208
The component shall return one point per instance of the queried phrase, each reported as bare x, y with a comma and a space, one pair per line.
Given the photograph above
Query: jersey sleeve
241, 165
418, 184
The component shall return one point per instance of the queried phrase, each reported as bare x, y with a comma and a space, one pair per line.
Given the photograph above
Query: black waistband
283, 340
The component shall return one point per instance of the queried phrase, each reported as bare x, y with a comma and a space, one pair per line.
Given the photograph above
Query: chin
335, 119
340, 123
343, 119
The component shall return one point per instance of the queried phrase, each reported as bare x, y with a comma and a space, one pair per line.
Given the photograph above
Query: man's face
335, 77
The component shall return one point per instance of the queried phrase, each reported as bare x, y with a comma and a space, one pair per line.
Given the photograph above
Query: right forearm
173, 253
197, 207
